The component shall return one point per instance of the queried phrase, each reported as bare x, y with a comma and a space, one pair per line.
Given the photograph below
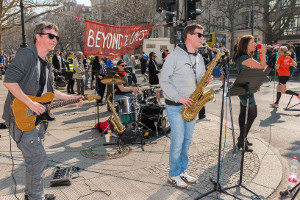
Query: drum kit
143, 110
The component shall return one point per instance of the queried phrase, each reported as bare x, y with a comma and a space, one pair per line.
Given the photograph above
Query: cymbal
110, 80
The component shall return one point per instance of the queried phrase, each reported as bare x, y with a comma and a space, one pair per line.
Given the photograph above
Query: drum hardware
157, 86
155, 124
140, 85
136, 126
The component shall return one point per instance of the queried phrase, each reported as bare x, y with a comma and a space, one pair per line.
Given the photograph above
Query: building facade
236, 21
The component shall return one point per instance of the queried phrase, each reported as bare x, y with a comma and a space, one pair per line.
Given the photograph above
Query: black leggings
252, 114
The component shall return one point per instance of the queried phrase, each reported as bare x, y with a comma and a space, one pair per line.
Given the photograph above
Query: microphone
258, 46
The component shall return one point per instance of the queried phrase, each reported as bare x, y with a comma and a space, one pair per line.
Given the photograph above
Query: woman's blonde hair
285, 50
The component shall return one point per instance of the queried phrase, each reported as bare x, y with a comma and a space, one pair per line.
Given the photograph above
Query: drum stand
136, 126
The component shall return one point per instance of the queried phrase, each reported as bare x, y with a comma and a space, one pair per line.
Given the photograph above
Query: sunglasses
51, 36
200, 35
124, 65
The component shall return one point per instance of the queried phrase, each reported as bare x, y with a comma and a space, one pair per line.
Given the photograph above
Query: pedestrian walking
283, 64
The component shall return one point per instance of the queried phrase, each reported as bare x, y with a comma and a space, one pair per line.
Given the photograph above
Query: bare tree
71, 31
10, 13
276, 17
131, 12
224, 11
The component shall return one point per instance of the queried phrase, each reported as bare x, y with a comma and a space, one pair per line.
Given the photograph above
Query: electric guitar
26, 120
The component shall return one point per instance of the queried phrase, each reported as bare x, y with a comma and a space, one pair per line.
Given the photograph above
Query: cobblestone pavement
205, 166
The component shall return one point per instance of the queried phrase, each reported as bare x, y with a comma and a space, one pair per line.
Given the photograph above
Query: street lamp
252, 20
24, 44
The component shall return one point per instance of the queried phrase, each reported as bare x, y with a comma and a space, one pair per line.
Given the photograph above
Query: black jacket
153, 71
55, 62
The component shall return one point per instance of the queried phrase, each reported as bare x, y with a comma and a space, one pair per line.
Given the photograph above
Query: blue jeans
86, 81
181, 138
294, 71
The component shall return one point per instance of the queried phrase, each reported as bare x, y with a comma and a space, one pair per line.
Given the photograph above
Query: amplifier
63, 176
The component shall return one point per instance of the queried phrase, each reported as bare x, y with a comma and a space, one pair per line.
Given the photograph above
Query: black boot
248, 143
240, 145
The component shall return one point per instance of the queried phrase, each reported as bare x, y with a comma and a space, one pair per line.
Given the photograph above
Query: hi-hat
110, 80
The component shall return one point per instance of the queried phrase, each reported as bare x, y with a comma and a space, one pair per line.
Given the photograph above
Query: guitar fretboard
62, 103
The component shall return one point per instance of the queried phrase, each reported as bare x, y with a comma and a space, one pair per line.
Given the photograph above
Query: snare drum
126, 105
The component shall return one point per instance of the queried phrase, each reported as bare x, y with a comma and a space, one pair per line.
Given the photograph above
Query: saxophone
200, 99
114, 120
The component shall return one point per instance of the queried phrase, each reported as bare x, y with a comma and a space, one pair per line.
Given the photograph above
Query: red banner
108, 40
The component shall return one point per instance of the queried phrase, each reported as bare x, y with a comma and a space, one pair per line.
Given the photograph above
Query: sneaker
274, 105
177, 181
204, 119
187, 178
299, 96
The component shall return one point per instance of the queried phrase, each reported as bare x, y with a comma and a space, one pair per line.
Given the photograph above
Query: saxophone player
182, 69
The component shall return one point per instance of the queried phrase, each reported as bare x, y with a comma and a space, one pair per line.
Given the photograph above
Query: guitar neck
63, 103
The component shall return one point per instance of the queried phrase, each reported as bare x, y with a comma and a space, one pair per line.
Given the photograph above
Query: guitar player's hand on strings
37, 108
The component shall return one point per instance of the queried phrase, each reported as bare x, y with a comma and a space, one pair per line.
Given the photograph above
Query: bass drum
153, 116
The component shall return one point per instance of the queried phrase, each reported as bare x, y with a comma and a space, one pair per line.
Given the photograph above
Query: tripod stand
136, 125
249, 80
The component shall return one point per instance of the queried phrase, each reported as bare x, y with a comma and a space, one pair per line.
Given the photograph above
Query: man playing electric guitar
30, 74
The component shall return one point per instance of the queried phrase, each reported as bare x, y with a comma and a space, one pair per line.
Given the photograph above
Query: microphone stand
226, 67
97, 104
217, 186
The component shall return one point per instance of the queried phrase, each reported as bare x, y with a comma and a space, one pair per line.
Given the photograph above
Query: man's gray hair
79, 53
41, 26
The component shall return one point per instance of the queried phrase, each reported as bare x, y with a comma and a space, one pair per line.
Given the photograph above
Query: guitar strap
42, 81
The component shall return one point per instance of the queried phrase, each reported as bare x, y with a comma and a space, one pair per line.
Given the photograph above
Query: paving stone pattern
205, 166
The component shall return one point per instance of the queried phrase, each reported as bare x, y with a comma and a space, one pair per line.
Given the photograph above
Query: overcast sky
85, 2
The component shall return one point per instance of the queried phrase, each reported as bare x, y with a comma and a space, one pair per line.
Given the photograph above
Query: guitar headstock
91, 97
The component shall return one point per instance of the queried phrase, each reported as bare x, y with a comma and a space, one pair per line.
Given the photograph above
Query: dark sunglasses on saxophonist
200, 35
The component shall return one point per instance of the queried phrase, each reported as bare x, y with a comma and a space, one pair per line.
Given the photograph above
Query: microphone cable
12, 158
225, 135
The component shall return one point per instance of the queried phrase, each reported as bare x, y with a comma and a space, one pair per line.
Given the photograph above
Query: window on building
155, 33
219, 24
83, 9
246, 19
272, 4
286, 3
150, 46
293, 27
96, 15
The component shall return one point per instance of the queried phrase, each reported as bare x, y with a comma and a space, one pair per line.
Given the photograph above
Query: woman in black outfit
153, 69
100, 72
244, 59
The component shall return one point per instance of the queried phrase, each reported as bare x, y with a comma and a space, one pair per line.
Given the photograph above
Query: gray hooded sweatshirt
180, 72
